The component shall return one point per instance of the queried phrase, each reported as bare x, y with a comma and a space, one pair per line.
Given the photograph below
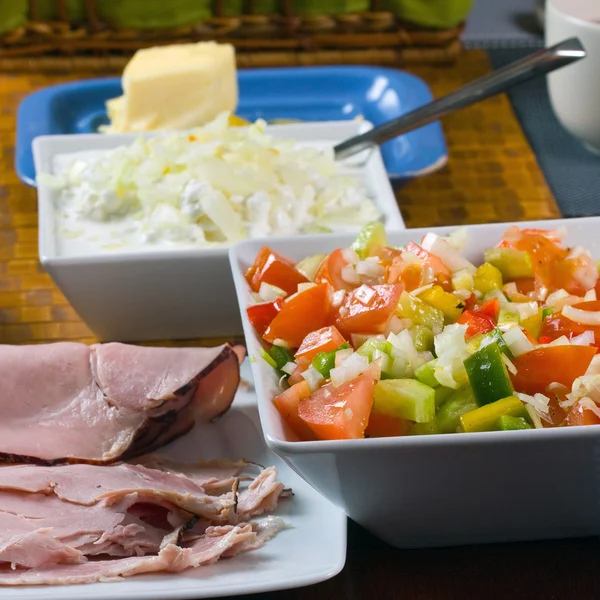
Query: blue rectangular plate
303, 93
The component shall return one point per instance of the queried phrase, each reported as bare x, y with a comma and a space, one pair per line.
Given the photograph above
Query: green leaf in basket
13, 14
153, 14
430, 13
48, 10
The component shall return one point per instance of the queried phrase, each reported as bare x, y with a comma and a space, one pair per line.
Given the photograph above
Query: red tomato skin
330, 271
381, 425
300, 314
275, 269
335, 413
476, 322
537, 369
368, 309
555, 326
325, 339
287, 404
491, 308
261, 315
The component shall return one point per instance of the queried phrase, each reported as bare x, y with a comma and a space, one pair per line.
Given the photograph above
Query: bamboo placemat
492, 175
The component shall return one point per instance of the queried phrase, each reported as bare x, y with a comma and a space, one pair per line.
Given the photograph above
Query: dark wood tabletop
533, 570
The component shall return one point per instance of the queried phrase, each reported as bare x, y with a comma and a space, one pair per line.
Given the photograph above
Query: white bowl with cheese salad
135, 228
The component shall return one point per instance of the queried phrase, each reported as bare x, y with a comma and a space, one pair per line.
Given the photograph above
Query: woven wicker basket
93, 35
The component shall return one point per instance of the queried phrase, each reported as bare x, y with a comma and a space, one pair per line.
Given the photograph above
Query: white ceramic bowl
442, 490
168, 294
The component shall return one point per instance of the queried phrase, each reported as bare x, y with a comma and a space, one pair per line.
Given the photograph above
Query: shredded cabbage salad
374, 340
214, 185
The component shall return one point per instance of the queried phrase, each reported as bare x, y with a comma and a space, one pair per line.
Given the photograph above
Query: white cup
575, 89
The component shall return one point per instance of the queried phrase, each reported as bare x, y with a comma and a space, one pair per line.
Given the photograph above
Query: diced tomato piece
578, 415
340, 413
491, 308
555, 326
300, 314
330, 271
325, 339
381, 425
476, 322
296, 375
471, 302
441, 272
261, 315
537, 369
544, 339
368, 309
275, 269
525, 286
287, 404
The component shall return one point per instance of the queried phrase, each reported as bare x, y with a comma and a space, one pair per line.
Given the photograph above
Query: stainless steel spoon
535, 64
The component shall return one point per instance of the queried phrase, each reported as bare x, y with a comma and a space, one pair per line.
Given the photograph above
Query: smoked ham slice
68, 402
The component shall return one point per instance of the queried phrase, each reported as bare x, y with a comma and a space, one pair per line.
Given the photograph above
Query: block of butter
175, 87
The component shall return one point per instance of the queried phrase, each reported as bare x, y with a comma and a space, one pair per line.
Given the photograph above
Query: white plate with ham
256, 526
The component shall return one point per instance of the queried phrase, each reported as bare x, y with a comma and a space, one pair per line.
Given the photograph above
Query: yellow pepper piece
448, 303
487, 278
533, 324
484, 418
235, 121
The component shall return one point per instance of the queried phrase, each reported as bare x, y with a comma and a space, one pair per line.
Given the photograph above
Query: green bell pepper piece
267, 357
370, 237
475, 343
513, 264
546, 312
406, 398
371, 345
281, 356
485, 417
325, 361
510, 423
457, 403
488, 375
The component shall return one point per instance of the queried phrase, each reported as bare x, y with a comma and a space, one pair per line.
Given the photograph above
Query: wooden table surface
491, 175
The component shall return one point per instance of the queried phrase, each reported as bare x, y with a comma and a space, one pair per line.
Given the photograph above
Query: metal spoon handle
535, 64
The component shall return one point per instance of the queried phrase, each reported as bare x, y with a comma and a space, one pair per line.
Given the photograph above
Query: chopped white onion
509, 364
589, 404
517, 341
577, 252
584, 339
289, 367
411, 258
349, 274
594, 367
270, 293
584, 317
555, 296
313, 378
537, 422
305, 286
451, 257
590, 295
538, 401
421, 289
463, 294
342, 355
337, 298
281, 343
563, 340
526, 309
349, 369
396, 325
428, 276
350, 256
370, 269
458, 238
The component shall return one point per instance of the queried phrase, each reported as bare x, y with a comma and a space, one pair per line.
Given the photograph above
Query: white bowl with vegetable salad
467, 409
134, 229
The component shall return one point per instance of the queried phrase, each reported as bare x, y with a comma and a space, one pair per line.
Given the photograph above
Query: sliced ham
71, 402
216, 542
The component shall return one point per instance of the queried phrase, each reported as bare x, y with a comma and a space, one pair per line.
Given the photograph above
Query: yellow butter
175, 87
